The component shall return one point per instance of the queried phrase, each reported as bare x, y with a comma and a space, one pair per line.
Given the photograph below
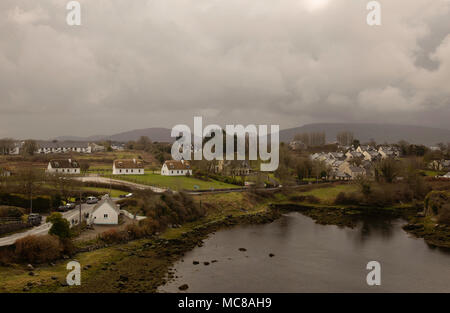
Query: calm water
313, 258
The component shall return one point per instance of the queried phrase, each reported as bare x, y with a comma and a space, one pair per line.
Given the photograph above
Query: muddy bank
347, 216
145, 265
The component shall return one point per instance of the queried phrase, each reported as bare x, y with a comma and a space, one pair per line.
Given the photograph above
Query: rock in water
183, 287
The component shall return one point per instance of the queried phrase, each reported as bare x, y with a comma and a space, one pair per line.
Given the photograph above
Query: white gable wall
165, 171
105, 215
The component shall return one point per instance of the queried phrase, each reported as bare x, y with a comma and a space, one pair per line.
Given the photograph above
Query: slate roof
64, 163
128, 163
178, 165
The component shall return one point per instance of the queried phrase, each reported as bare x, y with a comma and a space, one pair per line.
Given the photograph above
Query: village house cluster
121, 167
350, 163
55, 147
47, 147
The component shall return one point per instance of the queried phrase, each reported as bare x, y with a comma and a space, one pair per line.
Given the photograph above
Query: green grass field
114, 192
329, 193
173, 182
433, 173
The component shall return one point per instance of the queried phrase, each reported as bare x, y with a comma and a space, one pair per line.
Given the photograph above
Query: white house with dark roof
46, 147
176, 168
128, 167
63, 166
106, 212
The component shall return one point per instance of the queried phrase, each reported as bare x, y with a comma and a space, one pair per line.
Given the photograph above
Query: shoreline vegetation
142, 265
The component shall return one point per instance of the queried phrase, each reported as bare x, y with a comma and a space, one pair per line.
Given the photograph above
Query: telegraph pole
80, 210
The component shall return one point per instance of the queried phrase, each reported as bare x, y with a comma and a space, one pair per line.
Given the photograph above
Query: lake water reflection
313, 258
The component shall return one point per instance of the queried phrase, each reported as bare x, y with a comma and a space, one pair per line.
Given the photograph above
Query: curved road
45, 227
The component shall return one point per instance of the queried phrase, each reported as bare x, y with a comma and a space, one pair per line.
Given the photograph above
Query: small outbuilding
106, 212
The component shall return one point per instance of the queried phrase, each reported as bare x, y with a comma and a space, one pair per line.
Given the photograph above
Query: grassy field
114, 192
174, 182
96, 279
433, 173
328, 194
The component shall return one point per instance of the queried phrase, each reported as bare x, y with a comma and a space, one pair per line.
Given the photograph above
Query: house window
105, 215
120, 171
131, 171
171, 172
127, 171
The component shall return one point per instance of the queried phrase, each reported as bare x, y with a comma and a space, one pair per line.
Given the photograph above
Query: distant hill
379, 132
155, 134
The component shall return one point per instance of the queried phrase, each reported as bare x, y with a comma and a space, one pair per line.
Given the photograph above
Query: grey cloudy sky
157, 63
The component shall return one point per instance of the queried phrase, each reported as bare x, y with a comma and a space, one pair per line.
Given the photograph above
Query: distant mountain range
155, 134
381, 133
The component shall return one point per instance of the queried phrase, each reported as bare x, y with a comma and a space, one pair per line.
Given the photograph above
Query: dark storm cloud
136, 64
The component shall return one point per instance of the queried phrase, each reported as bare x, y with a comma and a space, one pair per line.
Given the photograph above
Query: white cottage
47, 147
63, 166
176, 168
106, 212
128, 167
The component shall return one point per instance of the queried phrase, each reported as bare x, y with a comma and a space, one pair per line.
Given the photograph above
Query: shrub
444, 216
347, 199
38, 249
308, 198
11, 211
60, 226
113, 236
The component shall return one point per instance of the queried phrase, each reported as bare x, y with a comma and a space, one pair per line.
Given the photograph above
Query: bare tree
29, 147
6, 144
387, 169
29, 181
344, 138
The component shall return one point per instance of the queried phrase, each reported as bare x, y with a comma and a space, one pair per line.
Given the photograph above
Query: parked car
63, 208
71, 205
129, 195
91, 200
34, 219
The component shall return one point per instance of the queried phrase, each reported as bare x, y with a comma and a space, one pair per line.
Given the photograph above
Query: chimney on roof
134, 161
70, 161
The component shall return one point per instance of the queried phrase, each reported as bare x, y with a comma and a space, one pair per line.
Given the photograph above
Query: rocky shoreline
145, 265
436, 235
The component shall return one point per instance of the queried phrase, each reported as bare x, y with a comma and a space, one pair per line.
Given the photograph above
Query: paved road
106, 180
45, 227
